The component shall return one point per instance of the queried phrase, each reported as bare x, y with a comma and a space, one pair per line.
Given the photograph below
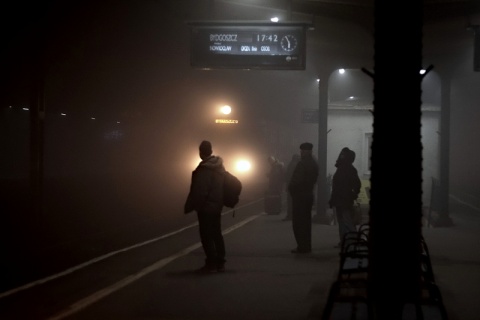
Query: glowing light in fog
226, 121
274, 19
226, 109
243, 165
341, 71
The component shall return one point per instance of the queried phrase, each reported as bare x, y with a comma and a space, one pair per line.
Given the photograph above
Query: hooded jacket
206, 189
276, 176
345, 182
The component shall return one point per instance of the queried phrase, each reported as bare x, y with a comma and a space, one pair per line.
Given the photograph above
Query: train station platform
263, 280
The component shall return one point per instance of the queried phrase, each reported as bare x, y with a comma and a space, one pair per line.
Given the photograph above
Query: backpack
231, 190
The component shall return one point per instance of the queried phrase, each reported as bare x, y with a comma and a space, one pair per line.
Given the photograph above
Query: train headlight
243, 165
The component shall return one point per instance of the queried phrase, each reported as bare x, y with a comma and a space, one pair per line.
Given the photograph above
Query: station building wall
352, 127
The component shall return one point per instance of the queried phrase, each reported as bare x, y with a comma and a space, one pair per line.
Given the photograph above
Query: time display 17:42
269, 38
288, 42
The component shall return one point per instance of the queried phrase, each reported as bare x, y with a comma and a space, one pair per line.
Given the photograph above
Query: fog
127, 65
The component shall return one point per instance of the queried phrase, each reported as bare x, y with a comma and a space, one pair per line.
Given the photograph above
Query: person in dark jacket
275, 176
273, 194
345, 189
301, 187
206, 198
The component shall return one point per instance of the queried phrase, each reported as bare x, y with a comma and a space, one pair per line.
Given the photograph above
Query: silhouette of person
206, 198
345, 189
301, 187
275, 176
288, 175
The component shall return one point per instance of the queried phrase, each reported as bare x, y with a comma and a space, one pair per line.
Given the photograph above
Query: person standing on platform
276, 180
206, 198
275, 176
346, 186
301, 187
288, 175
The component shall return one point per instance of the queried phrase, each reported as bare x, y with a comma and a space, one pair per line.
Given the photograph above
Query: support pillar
322, 192
444, 219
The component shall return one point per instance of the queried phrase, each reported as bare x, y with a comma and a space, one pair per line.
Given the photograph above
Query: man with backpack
206, 198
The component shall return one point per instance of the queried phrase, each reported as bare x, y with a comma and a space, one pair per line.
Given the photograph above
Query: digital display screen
248, 46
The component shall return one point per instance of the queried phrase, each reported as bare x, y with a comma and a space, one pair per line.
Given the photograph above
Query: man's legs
345, 221
206, 237
302, 222
296, 220
212, 240
307, 223
218, 241
289, 207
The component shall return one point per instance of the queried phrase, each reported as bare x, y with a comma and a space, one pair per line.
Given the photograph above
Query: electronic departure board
248, 45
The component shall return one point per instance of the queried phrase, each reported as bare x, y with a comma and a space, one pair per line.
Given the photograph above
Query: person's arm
357, 184
297, 178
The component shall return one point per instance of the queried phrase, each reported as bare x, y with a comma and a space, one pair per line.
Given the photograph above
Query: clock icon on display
288, 42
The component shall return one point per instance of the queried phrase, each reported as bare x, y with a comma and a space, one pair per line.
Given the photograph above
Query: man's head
306, 148
205, 149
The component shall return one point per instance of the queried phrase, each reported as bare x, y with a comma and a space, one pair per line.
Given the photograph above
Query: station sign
309, 115
248, 45
226, 121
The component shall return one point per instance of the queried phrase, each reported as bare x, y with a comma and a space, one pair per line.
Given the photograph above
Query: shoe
206, 269
301, 251
220, 264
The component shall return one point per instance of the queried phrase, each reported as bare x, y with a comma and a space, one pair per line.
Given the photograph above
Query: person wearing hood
275, 176
206, 198
273, 194
346, 186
